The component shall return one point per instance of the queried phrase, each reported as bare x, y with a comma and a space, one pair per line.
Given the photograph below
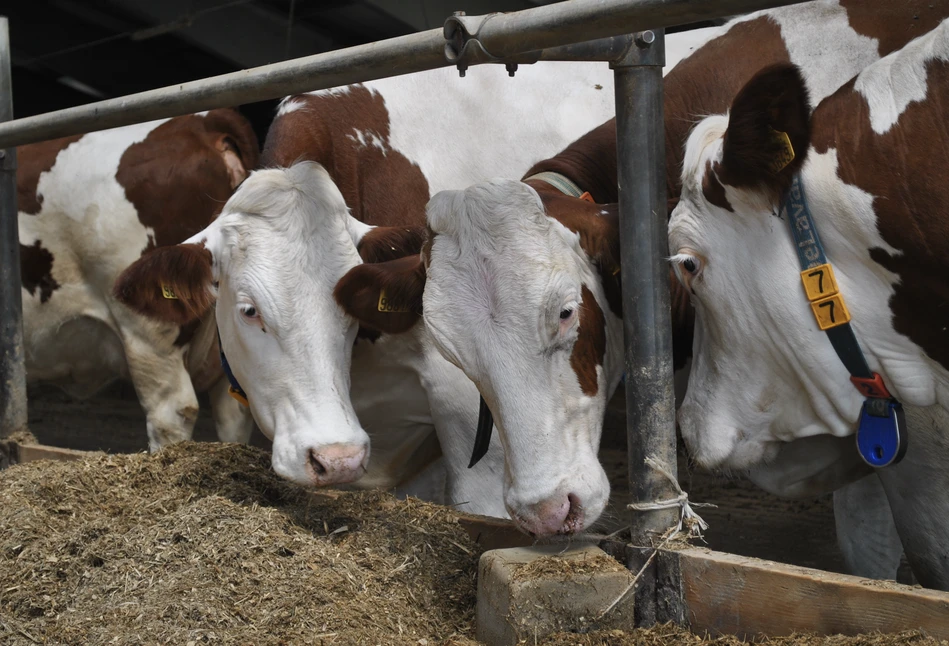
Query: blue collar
881, 435
235, 389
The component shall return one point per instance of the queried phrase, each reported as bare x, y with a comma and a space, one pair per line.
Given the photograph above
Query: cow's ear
235, 141
600, 238
596, 224
381, 244
768, 130
171, 284
386, 296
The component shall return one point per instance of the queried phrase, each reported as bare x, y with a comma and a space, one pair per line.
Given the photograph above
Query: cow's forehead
525, 261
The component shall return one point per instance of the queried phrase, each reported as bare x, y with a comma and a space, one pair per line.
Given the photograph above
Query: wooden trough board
728, 594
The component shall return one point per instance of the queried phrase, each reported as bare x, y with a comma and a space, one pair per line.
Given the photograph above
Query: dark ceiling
70, 52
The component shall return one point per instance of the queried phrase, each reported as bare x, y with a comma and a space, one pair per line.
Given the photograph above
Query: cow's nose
337, 464
562, 514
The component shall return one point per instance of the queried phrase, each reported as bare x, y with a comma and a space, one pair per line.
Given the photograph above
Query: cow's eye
688, 265
249, 312
566, 313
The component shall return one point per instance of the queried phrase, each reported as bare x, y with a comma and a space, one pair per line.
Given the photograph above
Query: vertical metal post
650, 394
12, 369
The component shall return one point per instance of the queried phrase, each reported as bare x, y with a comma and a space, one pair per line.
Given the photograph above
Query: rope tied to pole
688, 519
693, 524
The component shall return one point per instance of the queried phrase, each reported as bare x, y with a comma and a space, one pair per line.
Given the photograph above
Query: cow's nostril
318, 467
574, 520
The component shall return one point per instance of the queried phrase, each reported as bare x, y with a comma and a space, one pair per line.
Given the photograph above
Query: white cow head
268, 267
514, 298
763, 373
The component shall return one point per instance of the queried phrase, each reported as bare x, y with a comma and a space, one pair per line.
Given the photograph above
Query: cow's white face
761, 373
280, 245
513, 301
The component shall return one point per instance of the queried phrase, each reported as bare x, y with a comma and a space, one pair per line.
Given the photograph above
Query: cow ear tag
168, 292
386, 305
881, 435
785, 155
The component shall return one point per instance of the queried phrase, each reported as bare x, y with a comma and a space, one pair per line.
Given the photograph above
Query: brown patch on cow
381, 187
32, 161
590, 348
36, 271
184, 171
894, 24
358, 293
904, 170
184, 268
389, 243
713, 189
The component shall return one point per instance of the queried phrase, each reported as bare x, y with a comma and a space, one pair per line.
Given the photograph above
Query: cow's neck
898, 221
589, 162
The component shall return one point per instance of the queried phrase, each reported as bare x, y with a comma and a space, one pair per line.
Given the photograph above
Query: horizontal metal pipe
507, 34
392, 57
504, 35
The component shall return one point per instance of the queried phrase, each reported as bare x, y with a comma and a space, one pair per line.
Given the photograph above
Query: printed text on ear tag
168, 292
386, 305
785, 155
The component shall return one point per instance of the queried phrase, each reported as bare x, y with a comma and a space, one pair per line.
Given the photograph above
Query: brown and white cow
544, 229
871, 163
89, 206
270, 266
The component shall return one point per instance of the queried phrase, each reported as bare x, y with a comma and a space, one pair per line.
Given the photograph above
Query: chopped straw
202, 543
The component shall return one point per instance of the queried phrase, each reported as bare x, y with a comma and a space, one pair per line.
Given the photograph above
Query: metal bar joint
463, 47
647, 49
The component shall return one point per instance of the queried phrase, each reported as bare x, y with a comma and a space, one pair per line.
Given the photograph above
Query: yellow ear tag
385, 305
786, 156
168, 293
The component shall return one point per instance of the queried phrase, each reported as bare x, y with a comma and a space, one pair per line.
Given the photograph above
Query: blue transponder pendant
881, 436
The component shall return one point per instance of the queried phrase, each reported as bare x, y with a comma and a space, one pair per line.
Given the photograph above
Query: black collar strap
881, 435
235, 389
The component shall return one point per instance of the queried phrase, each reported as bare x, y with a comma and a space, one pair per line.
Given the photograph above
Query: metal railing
553, 32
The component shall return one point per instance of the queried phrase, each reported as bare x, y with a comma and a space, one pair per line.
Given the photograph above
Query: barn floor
746, 521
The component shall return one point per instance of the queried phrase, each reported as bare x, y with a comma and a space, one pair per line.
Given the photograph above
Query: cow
344, 178
566, 225
89, 206
813, 246
386, 145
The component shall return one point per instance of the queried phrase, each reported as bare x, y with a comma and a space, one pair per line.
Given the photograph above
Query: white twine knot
687, 517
